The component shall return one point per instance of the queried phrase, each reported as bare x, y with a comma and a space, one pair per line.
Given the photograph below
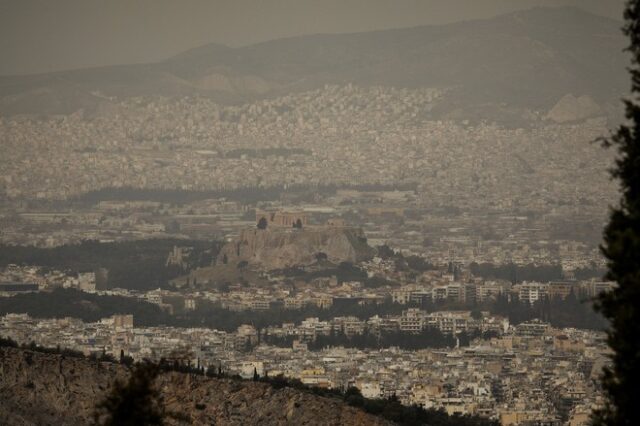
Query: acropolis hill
284, 239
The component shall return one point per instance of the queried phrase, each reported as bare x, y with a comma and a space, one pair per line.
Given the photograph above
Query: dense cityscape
307, 215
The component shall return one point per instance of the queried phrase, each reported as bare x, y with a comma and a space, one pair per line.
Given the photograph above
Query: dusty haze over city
43, 36
395, 207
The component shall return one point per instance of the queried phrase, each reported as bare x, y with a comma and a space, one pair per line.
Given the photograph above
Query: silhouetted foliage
61, 303
574, 311
32, 346
622, 249
588, 273
136, 265
136, 402
388, 408
321, 256
419, 264
428, 338
6, 342
402, 263
344, 272
262, 223
245, 195
125, 359
265, 152
515, 273
385, 252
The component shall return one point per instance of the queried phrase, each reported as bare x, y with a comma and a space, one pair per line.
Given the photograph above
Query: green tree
321, 256
262, 223
385, 252
621, 247
354, 397
136, 402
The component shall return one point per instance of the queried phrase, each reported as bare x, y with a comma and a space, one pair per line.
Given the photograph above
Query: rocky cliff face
44, 389
278, 248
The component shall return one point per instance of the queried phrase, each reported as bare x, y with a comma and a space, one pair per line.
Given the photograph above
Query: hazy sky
47, 35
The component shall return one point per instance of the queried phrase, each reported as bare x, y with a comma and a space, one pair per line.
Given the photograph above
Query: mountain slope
47, 389
527, 59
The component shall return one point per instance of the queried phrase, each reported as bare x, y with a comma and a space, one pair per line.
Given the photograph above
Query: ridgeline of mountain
279, 248
50, 389
528, 59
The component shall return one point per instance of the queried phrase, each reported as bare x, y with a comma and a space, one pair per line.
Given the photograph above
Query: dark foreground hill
51, 389
528, 59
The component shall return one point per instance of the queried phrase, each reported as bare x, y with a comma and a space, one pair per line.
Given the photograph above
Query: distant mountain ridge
526, 59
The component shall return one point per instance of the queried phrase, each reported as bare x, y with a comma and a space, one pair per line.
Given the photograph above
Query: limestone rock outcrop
278, 248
